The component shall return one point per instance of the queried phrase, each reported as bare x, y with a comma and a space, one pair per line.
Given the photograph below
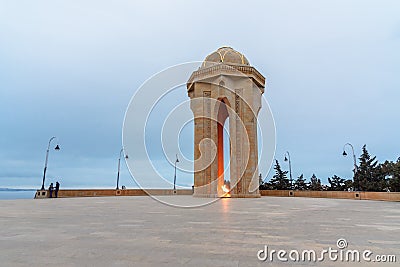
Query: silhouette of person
57, 188
51, 190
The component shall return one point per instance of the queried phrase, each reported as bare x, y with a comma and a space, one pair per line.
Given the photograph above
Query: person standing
57, 188
51, 190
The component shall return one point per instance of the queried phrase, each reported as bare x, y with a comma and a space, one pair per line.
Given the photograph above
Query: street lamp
354, 158
119, 165
287, 158
176, 161
47, 159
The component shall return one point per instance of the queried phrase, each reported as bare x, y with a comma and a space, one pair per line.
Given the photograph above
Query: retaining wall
385, 196
112, 192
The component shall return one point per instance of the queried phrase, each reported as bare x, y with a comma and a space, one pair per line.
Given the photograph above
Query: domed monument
226, 88
226, 55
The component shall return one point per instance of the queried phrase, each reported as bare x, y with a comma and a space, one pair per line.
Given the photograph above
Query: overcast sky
70, 68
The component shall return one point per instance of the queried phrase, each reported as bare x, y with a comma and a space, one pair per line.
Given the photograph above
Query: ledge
66, 193
218, 69
383, 196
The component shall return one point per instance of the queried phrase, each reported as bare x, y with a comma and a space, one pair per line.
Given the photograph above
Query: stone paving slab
139, 231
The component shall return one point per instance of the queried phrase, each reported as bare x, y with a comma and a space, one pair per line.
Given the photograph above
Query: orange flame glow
226, 191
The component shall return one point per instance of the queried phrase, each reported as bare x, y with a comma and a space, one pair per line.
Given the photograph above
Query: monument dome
226, 55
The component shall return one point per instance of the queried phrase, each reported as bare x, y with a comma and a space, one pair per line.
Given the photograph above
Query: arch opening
223, 149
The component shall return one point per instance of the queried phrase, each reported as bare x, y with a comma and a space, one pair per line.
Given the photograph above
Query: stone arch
213, 102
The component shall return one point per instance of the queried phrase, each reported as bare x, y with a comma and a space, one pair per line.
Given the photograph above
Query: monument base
41, 194
230, 195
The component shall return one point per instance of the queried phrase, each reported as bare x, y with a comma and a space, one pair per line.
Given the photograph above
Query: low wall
384, 196
112, 192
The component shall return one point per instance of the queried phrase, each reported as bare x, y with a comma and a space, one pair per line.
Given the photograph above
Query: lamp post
47, 159
176, 161
287, 158
119, 165
354, 159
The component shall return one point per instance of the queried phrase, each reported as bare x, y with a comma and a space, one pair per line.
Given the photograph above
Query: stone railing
231, 69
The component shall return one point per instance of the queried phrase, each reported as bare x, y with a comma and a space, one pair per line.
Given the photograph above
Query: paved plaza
139, 231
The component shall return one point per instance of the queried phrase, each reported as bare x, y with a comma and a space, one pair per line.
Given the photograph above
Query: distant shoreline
17, 189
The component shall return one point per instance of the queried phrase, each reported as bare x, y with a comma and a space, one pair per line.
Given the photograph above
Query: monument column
224, 88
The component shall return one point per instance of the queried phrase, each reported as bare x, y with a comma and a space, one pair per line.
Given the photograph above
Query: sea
17, 194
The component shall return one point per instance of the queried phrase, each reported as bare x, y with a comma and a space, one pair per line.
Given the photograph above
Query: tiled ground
139, 231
